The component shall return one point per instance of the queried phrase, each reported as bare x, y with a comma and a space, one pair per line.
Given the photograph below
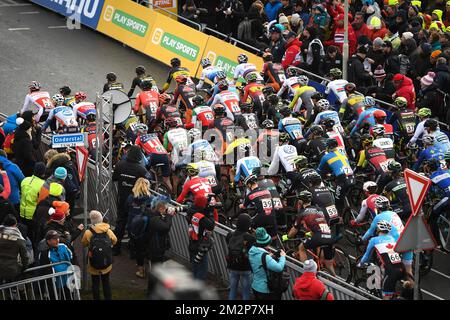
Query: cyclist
267, 139
353, 106
243, 68
207, 170
430, 151
441, 140
247, 166
300, 176
272, 108
229, 99
368, 204
324, 199
199, 149
209, 72
313, 220
316, 146
82, 108
137, 81
202, 114
302, 97
39, 100
273, 73
247, 120
423, 114
331, 132
366, 116
291, 83
337, 85
253, 93
167, 111
397, 192
284, 154
146, 104
380, 117
375, 157
183, 95
91, 129
339, 166
174, 72
326, 111
292, 126
391, 261
175, 140
405, 118
382, 142
111, 84
221, 126
66, 119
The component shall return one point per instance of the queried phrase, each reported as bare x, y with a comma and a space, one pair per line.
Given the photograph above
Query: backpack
245, 30
100, 250
72, 182
138, 223
404, 64
277, 282
237, 250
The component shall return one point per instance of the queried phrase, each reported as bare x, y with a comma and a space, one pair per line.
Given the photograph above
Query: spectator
13, 252
442, 78
308, 287
50, 153
422, 36
126, 173
284, 21
435, 42
434, 57
30, 188
271, 8
376, 54
338, 37
15, 176
392, 63
332, 59
384, 89
405, 88
292, 49
401, 21
320, 19
277, 44
296, 24
239, 244
408, 44
97, 276
23, 148
303, 11
6, 206
59, 176
420, 59
335, 8
427, 95
376, 29
393, 37
391, 14
359, 26
231, 12
356, 72
286, 8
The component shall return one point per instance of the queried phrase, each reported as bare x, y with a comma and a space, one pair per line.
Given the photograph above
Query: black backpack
237, 250
100, 250
277, 282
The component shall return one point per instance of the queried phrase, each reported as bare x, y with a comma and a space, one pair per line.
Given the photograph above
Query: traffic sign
417, 186
68, 140
82, 159
415, 236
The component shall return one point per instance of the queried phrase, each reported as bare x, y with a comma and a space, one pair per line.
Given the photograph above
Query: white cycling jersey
384, 143
65, 117
40, 101
200, 149
289, 84
231, 102
178, 138
207, 170
330, 114
242, 69
209, 73
336, 135
337, 87
284, 154
419, 131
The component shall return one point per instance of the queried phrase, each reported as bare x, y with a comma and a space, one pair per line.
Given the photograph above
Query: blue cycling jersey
231, 87
441, 178
441, 140
246, 166
392, 218
337, 163
291, 126
384, 245
432, 152
365, 117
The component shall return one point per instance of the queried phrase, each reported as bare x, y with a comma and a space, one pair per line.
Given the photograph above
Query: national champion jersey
241, 70
337, 163
290, 84
82, 109
40, 101
150, 144
204, 115
338, 88
291, 126
285, 155
231, 102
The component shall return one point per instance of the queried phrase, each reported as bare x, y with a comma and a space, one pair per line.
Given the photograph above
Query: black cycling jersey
261, 199
300, 179
400, 196
247, 121
406, 122
315, 149
324, 199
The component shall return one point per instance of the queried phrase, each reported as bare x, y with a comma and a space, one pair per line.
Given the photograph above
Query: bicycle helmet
251, 179
316, 130
65, 91
328, 123
283, 137
267, 57
424, 112
378, 130
251, 77
336, 73
394, 166
268, 90
140, 70
222, 85
175, 62
273, 99
268, 124
242, 58
369, 101
221, 75
291, 72
323, 104
205, 62
384, 225
34, 86
192, 169
366, 139
80, 96
285, 111
181, 78
379, 114
428, 139
58, 99
431, 124
198, 100
303, 80
350, 87
434, 164
171, 123
300, 161
111, 76
401, 102
141, 128
318, 96
218, 109
315, 179
164, 98
194, 133
305, 196
332, 143
146, 84
246, 107
369, 186
91, 116
382, 203
447, 155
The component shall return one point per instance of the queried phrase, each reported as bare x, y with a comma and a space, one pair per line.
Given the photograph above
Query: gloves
232, 185
285, 237
308, 234
353, 223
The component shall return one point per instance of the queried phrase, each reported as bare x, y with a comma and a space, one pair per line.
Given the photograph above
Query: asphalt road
35, 44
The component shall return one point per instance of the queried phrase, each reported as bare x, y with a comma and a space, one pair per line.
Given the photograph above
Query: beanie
95, 217
407, 35
310, 266
60, 173
295, 19
39, 169
398, 77
283, 19
55, 189
436, 53
428, 78
379, 72
378, 42
262, 237
61, 206
426, 48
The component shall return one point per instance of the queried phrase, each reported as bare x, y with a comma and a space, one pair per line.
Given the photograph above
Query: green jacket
30, 188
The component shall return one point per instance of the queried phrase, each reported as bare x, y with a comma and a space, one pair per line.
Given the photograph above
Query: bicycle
155, 182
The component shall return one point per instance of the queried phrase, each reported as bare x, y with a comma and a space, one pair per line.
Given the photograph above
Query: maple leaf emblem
389, 246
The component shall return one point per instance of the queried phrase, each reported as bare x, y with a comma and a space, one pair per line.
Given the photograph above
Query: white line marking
15, 5
18, 29
432, 295
440, 273
29, 12
57, 27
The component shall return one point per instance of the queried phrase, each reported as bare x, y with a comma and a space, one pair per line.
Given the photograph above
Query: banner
224, 55
87, 12
127, 22
169, 5
171, 39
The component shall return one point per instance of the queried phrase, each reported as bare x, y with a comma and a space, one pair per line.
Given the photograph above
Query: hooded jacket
158, 234
338, 39
86, 240
72, 182
292, 49
259, 283
24, 152
53, 256
15, 176
243, 225
320, 20
308, 287
30, 188
13, 253
407, 91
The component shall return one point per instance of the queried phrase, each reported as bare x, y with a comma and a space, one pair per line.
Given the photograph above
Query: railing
233, 41
52, 286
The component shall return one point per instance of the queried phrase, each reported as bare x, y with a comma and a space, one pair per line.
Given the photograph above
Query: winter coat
442, 78
308, 287
420, 64
292, 49
53, 256
427, 98
407, 91
72, 182
85, 241
356, 72
41, 217
377, 56
67, 231
6, 206
158, 235
15, 176
271, 10
242, 228
259, 283
278, 49
362, 31
338, 40
327, 64
24, 152
12, 248
30, 188
391, 63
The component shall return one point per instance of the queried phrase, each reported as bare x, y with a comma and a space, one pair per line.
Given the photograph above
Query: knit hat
60, 173
295, 19
55, 189
19, 121
379, 72
95, 217
39, 169
244, 222
407, 35
393, 28
283, 19
25, 125
27, 116
262, 237
61, 207
310, 266
436, 53
398, 77
291, 35
374, 23
428, 78
378, 42
426, 48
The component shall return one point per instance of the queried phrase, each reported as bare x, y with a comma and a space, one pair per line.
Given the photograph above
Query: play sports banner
224, 55
169, 39
127, 22
169, 5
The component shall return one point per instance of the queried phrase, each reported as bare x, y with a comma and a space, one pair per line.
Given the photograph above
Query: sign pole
85, 208
345, 47
416, 275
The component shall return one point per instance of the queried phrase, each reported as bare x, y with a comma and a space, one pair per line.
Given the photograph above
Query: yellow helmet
192, 169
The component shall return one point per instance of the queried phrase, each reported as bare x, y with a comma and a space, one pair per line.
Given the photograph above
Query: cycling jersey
176, 142
108, 86
300, 179
291, 126
441, 140
173, 73
215, 91
337, 163
150, 144
284, 154
291, 84
130, 127
441, 178
324, 199
65, 117
231, 102
387, 145
254, 92
366, 117
419, 131
40, 101
269, 185
399, 194
82, 109
315, 149
184, 93
147, 103
273, 74
432, 152
209, 73
352, 106
200, 150
330, 114
375, 157
208, 170
302, 98
336, 135
247, 121
388, 131
199, 188
338, 88
367, 205
137, 82
384, 246
266, 143
91, 130
168, 111
392, 218
314, 220
203, 115
246, 167
241, 70
261, 199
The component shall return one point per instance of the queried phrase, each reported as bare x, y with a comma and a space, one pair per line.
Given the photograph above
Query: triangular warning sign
417, 187
82, 158
415, 236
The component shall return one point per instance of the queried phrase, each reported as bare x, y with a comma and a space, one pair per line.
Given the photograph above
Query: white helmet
205, 62
141, 128
58, 99
428, 139
194, 133
303, 80
384, 225
369, 184
378, 129
323, 104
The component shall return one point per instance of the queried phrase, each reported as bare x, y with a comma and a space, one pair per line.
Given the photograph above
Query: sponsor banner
169, 5
127, 21
87, 12
225, 55
171, 39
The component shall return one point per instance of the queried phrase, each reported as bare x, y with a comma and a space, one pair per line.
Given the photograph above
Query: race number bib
267, 205
133, 126
297, 134
212, 181
410, 128
277, 203
47, 103
324, 228
234, 106
153, 108
347, 171
384, 166
394, 257
209, 116
332, 212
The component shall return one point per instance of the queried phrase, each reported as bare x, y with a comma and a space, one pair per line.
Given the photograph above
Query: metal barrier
51, 286
233, 41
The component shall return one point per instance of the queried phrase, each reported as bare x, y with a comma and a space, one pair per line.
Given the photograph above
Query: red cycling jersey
147, 100
150, 144
200, 189
254, 90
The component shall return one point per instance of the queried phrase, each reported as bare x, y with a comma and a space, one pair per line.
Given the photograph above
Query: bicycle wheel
342, 264
361, 283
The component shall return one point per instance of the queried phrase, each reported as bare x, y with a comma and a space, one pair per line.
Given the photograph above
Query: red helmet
379, 114
181, 78
164, 98
80, 96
